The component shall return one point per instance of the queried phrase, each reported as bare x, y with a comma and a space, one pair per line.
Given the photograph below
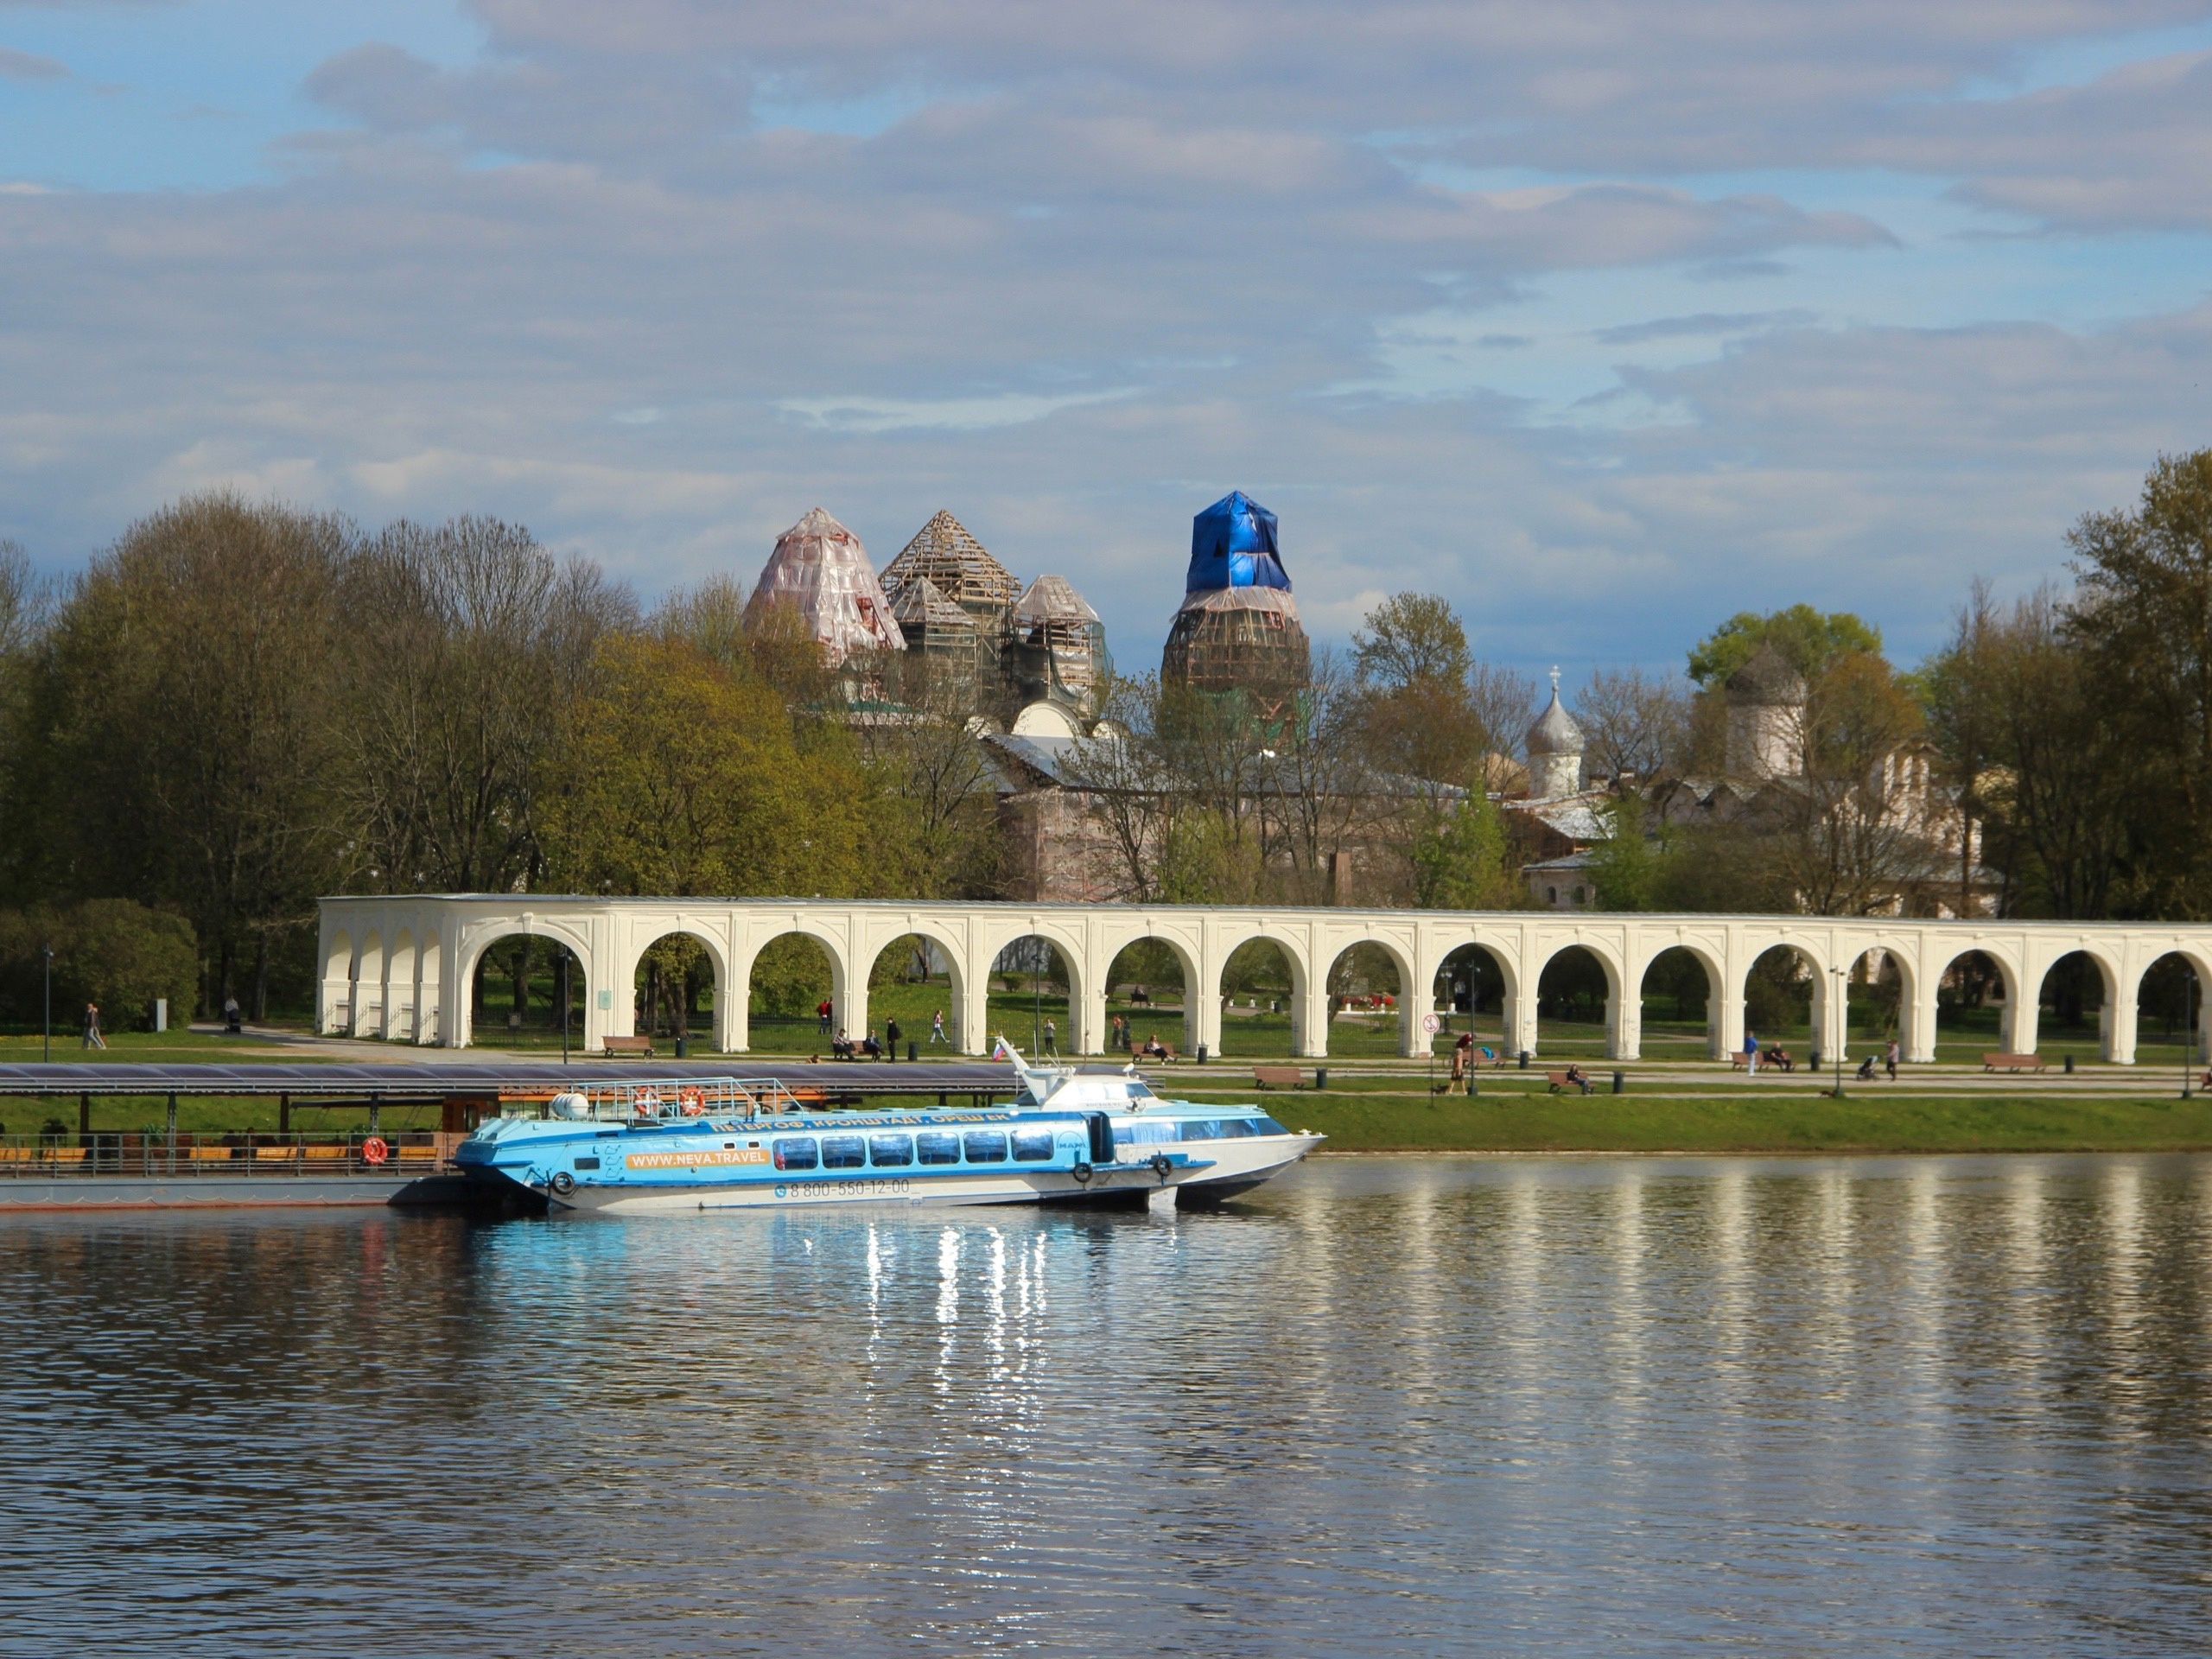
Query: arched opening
1680, 1003
2169, 1006
1259, 999
519, 989
399, 1014
1146, 999
1875, 1007
913, 997
2073, 1012
790, 997
1027, 997
1572, 994
1971, 1011
368, 988
674, 990
1780, 993
1367, 1011
1469, 993
338, 985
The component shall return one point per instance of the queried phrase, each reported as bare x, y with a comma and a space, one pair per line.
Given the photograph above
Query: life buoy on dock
373, 1150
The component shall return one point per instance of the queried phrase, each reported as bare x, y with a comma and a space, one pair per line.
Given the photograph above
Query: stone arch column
334, 1004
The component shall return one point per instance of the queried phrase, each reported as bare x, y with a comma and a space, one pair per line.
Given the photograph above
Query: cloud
1080, 271
29, 66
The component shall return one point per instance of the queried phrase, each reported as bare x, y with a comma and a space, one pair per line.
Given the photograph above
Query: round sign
1431, 1024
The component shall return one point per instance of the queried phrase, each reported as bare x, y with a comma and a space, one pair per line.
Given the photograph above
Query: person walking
92, 1038
1890, 1059
1461, 1052
1052, 1041
891, 1037
1750, 1054
936, 1030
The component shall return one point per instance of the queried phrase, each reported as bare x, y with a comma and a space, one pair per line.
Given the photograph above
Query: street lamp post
46, 1046
2187, 1029
1842, 1023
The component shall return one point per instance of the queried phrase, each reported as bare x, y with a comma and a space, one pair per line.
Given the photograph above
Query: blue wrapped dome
1233, 545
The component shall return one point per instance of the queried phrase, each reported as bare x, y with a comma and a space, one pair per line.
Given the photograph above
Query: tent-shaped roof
820, 569
1053, 599
1767, 680
919, 605
1233, 545
944, 553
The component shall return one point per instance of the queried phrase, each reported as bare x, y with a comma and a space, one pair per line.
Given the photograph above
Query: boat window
1153, 1132
1033, 1147
891, 1151
1267, 1126
1201, 1129
843, 1152
587, 1163
1232, 1127
987, 1148
938, 1148
798, 1152
1141, 1090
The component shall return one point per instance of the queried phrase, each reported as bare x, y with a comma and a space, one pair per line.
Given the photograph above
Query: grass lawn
1798, 1122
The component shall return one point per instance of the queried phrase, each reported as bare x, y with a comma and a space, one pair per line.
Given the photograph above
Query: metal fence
105, 1152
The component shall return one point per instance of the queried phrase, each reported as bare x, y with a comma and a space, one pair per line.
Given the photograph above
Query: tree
180, 705
1630, 867
677, 775
468, 645
2142, 617
1458, 851
1632, 723
1809, 641
2033, 752
1411, 639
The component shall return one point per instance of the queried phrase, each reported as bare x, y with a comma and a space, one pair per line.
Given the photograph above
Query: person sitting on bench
841, 1047
1576, 1079
1780, 1056
1154, 1049
870, 1047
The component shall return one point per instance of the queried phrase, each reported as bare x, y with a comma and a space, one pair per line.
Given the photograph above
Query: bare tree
1633, 721
1503, 702
468, 643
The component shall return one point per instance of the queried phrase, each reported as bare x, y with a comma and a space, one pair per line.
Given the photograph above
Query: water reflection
1391, 1406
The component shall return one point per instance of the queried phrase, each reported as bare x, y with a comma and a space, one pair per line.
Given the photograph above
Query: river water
1388, 1406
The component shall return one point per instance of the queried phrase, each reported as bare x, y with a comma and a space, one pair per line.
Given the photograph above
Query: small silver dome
1554, 732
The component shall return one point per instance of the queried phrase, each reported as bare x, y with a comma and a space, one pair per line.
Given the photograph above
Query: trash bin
1202, 1053
681, 1043
2069, 1066
1525, 1060
914, 1051
1620, 1083
1320, 1079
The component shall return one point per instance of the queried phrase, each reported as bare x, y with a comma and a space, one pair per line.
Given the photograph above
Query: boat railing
187, 1155
681, 1098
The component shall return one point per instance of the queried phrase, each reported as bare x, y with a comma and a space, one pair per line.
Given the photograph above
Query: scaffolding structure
820, 571
1058, 646
944, 652
1238, 629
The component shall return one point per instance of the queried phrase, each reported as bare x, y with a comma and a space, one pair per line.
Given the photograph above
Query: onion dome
1554, 732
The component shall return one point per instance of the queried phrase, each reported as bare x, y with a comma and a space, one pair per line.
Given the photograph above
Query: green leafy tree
1809, 640
1458, 855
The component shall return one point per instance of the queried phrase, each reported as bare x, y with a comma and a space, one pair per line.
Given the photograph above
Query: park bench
2011, 1063
642, 1046
1559, 1081
1277, 1077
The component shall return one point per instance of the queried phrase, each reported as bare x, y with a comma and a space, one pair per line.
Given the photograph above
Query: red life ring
695, 1102
374, 1151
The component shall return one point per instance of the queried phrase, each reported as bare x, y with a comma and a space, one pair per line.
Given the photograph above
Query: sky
1603, 320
